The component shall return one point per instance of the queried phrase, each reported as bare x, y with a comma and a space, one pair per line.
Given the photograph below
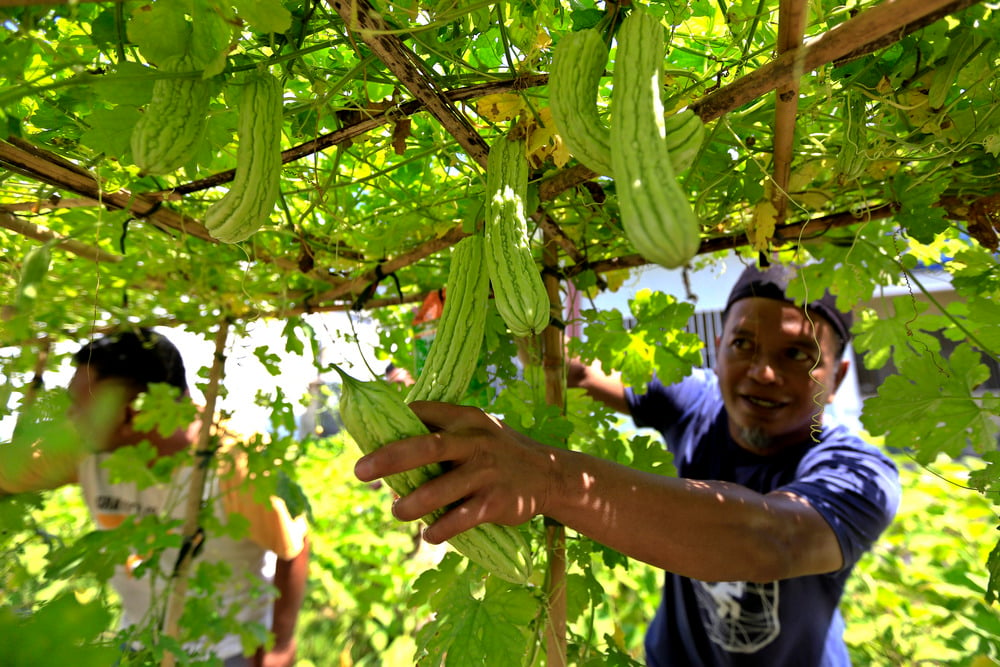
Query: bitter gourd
578, 62
254, 193
375, 414
518, 289
655, 212
172, 125
454, 352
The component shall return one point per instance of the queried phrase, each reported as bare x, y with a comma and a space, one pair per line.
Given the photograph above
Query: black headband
772, 282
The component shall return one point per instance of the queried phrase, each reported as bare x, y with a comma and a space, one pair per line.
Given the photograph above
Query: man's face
99, 408
777, 369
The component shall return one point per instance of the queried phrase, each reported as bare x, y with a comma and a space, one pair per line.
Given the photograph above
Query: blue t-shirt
794, 622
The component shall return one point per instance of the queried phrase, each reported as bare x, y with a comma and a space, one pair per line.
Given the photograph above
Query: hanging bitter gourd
254, 193
518, 289
374, 414
655, 212
578, 62
454, 353
852, 159
172, 125
684, 134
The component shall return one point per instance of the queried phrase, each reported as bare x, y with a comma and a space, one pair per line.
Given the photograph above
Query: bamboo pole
34, 162
553, 365
43, 234
791, 27
882, 25
196, 488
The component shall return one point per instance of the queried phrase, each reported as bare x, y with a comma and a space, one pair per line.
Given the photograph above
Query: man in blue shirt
770, 511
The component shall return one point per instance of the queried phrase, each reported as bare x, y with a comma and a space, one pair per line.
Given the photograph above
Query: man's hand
600, 386
494, 474
281, 656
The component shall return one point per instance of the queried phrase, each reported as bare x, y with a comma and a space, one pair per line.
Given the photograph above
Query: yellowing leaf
761, 227
991, 144
543, 40
880, 169
803, 175
504, 106
539, 133
542, 141
615, 279
813, 200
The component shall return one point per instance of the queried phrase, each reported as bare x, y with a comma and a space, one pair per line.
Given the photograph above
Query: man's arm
290, 579
38, 466
714, 531
600, 386
272, 527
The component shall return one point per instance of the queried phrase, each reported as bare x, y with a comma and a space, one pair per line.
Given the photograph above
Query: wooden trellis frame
874, 28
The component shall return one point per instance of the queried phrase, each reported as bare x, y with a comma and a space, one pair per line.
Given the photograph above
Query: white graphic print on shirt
740, 616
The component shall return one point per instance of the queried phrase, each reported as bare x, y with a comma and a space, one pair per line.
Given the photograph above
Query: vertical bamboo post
179, 579
553, 364
791, 27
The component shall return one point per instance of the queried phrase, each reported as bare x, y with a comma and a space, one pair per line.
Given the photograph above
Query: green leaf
293, 343
110, 130
886, 338
983, 321
660, 323
987, 480
129, 83
918, 209
993, 565
161, 407
160, 30
291, 493
931, 408
77, 640
649, 455
473, 624
133, 464
211, 34
613, 656
269, 360
991, 144
264, 15
657, 341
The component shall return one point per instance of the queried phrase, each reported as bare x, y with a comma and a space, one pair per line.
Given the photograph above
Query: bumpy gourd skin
172, 126
374, 414
851, 161
453, 356
577, 66
518, 289
251, 199
655, 212
684, 135
578, 63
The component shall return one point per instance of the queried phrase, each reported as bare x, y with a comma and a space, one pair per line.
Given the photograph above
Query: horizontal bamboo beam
882, 24
36, 163
43, 234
